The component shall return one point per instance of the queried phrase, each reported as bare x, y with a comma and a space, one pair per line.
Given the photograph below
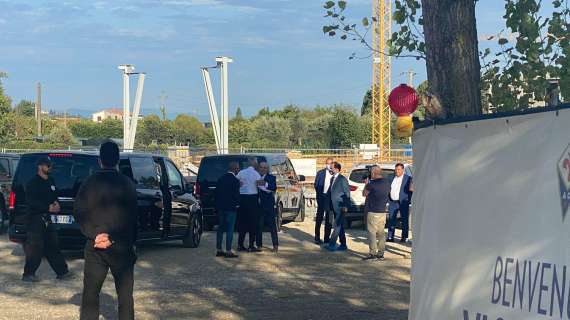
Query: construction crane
381, 77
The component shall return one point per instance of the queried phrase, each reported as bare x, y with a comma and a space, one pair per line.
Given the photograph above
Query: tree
60, 135
188, 130
238, 113
154, 130
85, 129
26, 108
367, 103
450, 47
270, 132
5, 101
111, 128
238, 132
345, 129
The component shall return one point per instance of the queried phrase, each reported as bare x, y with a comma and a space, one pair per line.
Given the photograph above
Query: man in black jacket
106, 210
41, 239
227, 203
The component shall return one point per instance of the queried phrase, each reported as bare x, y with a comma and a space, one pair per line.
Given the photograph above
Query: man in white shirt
400, 196
249, 211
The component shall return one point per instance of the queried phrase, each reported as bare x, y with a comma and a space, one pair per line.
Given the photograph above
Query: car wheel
301, 215
193, 233
279, 219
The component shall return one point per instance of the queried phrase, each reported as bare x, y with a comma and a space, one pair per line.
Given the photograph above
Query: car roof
9, 155
94, 153
385, 166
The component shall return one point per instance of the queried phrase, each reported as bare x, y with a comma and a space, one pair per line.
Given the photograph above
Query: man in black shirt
377, 192
41, 239
106, 210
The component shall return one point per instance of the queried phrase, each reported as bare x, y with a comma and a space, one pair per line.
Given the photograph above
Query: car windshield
359, 175
68, 171
211, 169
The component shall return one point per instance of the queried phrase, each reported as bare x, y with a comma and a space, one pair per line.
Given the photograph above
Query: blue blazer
340, 194
227, 193
320, 185
405, 193
267, 200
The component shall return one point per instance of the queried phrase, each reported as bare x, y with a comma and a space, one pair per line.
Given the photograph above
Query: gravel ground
172, 282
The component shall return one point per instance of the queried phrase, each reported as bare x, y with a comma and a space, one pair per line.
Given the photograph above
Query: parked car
289, 196
357, 180
150, 173
8, 163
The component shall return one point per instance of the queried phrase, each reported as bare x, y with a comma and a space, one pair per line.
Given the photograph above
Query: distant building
112, 113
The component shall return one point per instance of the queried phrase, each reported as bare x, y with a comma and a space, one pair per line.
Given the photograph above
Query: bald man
377, 192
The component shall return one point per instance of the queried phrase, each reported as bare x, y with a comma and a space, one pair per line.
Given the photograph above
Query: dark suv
8, 163
289, 196
154, 175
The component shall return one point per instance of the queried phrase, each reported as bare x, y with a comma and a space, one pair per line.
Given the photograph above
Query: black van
8, 164
152, 174
289, 196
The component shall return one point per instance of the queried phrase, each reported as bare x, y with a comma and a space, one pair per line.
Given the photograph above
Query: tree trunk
452, 55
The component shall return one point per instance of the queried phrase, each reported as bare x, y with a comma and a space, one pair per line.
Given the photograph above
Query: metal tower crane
381, 76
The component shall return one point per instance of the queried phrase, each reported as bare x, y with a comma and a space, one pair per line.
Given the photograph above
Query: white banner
492, 234
306, 167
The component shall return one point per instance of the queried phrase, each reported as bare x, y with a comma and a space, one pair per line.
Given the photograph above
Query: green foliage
366, 103
153, 130
238, 113
26, 108
346, 129
270, 132
188, 130
5, 101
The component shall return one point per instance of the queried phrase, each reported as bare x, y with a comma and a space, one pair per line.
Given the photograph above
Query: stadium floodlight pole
223, 64
136, 111
212, 107
127, 71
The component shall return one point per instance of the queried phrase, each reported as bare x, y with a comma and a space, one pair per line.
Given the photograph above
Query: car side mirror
301, 178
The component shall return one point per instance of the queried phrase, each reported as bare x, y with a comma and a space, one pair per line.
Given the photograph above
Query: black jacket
107, 203
227, 192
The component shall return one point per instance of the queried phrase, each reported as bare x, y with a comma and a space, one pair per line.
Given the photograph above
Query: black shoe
369, 257
66, 276
403, 240
30, 278
242, 249
380, 257
254, 249
220, 253
389, 240
318, 241
275, 249
230, 254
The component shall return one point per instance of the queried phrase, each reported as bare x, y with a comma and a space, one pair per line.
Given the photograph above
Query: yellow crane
381, 77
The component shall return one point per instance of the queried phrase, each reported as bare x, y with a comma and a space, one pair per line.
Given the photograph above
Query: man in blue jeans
227, 203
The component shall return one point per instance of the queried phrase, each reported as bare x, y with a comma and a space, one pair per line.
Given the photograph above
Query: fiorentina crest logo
564, 178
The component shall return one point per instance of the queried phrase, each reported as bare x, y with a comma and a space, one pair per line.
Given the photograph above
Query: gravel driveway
172, 282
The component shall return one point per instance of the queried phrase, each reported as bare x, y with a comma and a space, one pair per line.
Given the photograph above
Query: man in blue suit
339, 201
227, 203
322, 185
401, 192
267, 188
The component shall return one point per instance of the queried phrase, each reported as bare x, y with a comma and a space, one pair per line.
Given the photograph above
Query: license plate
61, 219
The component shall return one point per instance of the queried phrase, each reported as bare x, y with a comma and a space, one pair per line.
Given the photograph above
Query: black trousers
267, 219
41, 241
121, 261
248, 218
323, 214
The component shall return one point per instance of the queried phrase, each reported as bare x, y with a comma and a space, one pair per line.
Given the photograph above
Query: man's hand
343, 210
54, 207
102, 241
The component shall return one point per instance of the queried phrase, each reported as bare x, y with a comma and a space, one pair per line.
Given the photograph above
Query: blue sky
281, 56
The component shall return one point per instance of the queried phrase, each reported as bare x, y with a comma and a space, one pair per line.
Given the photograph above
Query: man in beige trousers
377, 192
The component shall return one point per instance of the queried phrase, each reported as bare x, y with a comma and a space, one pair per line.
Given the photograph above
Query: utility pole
39, 109
410, 73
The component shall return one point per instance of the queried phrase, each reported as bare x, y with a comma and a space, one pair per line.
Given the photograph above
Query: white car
357, 180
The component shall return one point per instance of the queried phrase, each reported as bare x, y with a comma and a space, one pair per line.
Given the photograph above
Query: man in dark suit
338, 198
106, 210
227, 203
267, 188
401, 192
322, 185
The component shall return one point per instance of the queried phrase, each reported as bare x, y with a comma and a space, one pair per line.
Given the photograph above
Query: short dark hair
400, 165
109, 154
337, 165
233, 165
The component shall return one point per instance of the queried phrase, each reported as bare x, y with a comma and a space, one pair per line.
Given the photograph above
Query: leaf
329, 4
503, 41
342, 5
344, 37
332, 33
365, 22
327, 29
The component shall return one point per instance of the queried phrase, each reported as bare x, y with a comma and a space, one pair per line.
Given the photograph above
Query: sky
280, 53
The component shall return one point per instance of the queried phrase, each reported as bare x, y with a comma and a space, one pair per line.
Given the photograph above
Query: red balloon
403, 100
